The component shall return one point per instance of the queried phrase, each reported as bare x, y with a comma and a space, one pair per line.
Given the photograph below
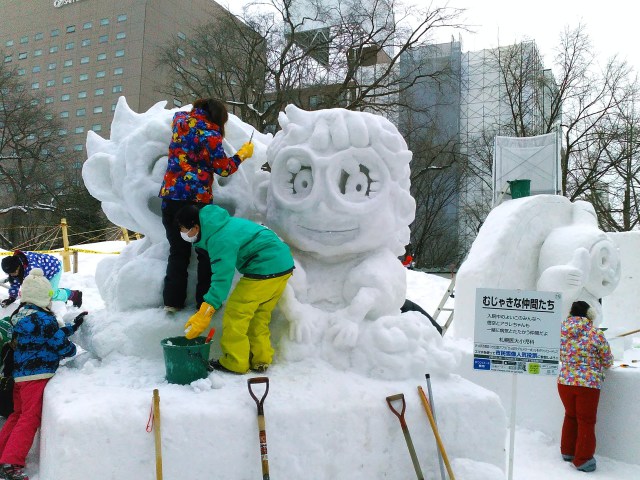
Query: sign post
517, 332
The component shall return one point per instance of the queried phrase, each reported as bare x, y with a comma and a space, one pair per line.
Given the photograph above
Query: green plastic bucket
185, 360
520, 188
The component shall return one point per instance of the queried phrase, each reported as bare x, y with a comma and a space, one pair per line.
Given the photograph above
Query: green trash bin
519, 188
185, 360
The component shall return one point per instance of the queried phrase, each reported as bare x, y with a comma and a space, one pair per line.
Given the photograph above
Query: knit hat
10, 264
36, 289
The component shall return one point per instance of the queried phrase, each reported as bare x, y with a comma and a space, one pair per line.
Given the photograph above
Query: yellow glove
246, 151
199, 321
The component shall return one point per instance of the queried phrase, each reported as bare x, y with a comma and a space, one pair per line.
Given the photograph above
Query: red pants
20, 428
579, 426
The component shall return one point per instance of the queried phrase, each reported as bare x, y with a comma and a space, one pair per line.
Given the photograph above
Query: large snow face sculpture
125, 172
339, 196
579, 260
543, 242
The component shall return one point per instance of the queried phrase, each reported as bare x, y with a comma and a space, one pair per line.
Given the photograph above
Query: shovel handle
400, 414
259, 402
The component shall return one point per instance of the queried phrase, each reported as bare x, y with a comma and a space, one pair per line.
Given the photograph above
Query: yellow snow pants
246, 339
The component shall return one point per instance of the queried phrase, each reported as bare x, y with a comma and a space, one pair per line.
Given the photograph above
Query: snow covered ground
88, 391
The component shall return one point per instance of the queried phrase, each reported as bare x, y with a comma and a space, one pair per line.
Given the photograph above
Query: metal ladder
441, 307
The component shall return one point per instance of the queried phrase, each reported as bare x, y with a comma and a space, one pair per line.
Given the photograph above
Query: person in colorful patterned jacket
195, 155
265, 263
20, 264
584, 354
39, 344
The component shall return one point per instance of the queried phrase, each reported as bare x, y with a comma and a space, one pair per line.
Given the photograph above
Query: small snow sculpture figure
579, 260
339, 196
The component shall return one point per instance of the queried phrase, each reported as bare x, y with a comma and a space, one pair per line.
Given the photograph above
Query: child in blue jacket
20, 264
39, 344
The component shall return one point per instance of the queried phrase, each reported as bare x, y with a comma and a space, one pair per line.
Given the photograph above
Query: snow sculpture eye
300, 182
357, 181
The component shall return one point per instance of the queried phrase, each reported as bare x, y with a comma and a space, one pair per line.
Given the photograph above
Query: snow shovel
434, 427
261, 425
435, 419
405, 431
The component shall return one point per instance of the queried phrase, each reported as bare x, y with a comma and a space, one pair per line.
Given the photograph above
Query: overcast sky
612, 24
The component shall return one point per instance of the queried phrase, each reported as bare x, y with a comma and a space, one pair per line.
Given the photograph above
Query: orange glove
199, 321
245, 151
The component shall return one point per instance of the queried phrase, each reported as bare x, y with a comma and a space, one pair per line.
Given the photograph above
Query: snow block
318, 420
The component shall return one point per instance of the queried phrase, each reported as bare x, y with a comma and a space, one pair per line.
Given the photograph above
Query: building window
104, 21
65, 97
121, 35
55, 32
116, 89
180, 52
53, 49
71, 28
52, 66
113, 107
62, 132
61, 150
66, 80
22, 55
69, 46
177, 102
99, 91
97, 127
178, 86
119, 53
21, 71
35, 85
37, 53
83, 76
9, 43
78, 148
51, 83
86, 42
64, 114
118, 71
24, 39
101, 74
48, 116
79, 130
87, 26
122, 18
103, 39
181, 36
97, 109
68, 63
82, 94
38, 36
8, 58
84, 60
35, 69
81, 112
102, 56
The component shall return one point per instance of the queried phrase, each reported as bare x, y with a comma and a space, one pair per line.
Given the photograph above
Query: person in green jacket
265, 263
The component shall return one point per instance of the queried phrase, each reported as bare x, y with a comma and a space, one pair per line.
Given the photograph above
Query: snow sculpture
543, 242
125, 173
339, 196
579, 260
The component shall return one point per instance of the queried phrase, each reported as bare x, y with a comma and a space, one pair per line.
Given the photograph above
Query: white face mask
185, 236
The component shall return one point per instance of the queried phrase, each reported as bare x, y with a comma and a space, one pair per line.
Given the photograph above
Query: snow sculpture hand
344, 333
568, 279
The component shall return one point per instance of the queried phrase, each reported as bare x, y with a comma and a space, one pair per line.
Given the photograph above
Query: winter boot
567, 458
588, 466
12, 472
76, 298
260, 368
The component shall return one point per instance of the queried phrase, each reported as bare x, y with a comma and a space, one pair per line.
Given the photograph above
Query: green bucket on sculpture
185, 360
519, 188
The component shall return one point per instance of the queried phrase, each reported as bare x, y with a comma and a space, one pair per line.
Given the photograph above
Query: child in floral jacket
584, 354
